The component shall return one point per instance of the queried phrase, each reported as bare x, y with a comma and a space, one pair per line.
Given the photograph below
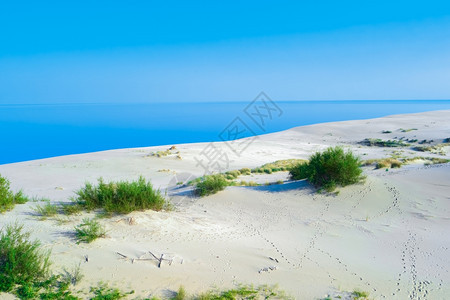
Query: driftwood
154, 257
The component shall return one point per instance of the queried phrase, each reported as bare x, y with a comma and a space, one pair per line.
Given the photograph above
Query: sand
387, 236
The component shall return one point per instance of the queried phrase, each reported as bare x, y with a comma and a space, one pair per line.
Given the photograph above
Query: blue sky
157, 51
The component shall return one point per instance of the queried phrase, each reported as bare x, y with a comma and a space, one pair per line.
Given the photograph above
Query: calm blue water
39, 131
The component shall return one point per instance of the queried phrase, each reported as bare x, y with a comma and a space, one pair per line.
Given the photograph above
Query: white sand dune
388, 235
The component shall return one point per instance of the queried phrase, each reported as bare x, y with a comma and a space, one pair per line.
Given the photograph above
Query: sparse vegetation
8, 199
426, 142
181, 294
354, 295
73, 276
386, 131
230, 175
407, 130
396, 161
167, 152
211, 184
248, 183
437, 149
331, 168
103, 292
388, 163
89, 231
245, 171
359, 295
244, 292
46, 210
382, 143
71, 208
121, 197
278, 166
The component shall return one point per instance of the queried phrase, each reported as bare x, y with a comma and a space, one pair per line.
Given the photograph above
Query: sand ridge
387, 236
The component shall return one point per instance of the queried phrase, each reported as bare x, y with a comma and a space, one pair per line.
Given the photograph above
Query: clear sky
144, 51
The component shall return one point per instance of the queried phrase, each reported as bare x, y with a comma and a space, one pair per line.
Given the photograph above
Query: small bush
8, 199
89, 231
21, 262
211, 184
121, 197
331, 168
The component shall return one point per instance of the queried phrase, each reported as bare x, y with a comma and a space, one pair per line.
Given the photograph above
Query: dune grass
278, 166
397, 161
388, 163
103, 292
8, 199
89, 231
407, 130
47, 210
120, 197
211, 184
71, 208
240, 292
437, 149
331, 168
382, 143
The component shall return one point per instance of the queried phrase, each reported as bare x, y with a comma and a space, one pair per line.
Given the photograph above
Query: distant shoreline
37, 132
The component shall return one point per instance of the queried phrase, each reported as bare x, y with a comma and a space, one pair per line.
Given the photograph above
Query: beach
387, 235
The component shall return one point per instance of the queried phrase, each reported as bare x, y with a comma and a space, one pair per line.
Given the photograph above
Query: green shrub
21, 262
89, 231
329, 169
7, 198
211, 184
121, 197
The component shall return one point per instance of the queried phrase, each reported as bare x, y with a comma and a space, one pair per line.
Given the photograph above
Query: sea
35, 131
